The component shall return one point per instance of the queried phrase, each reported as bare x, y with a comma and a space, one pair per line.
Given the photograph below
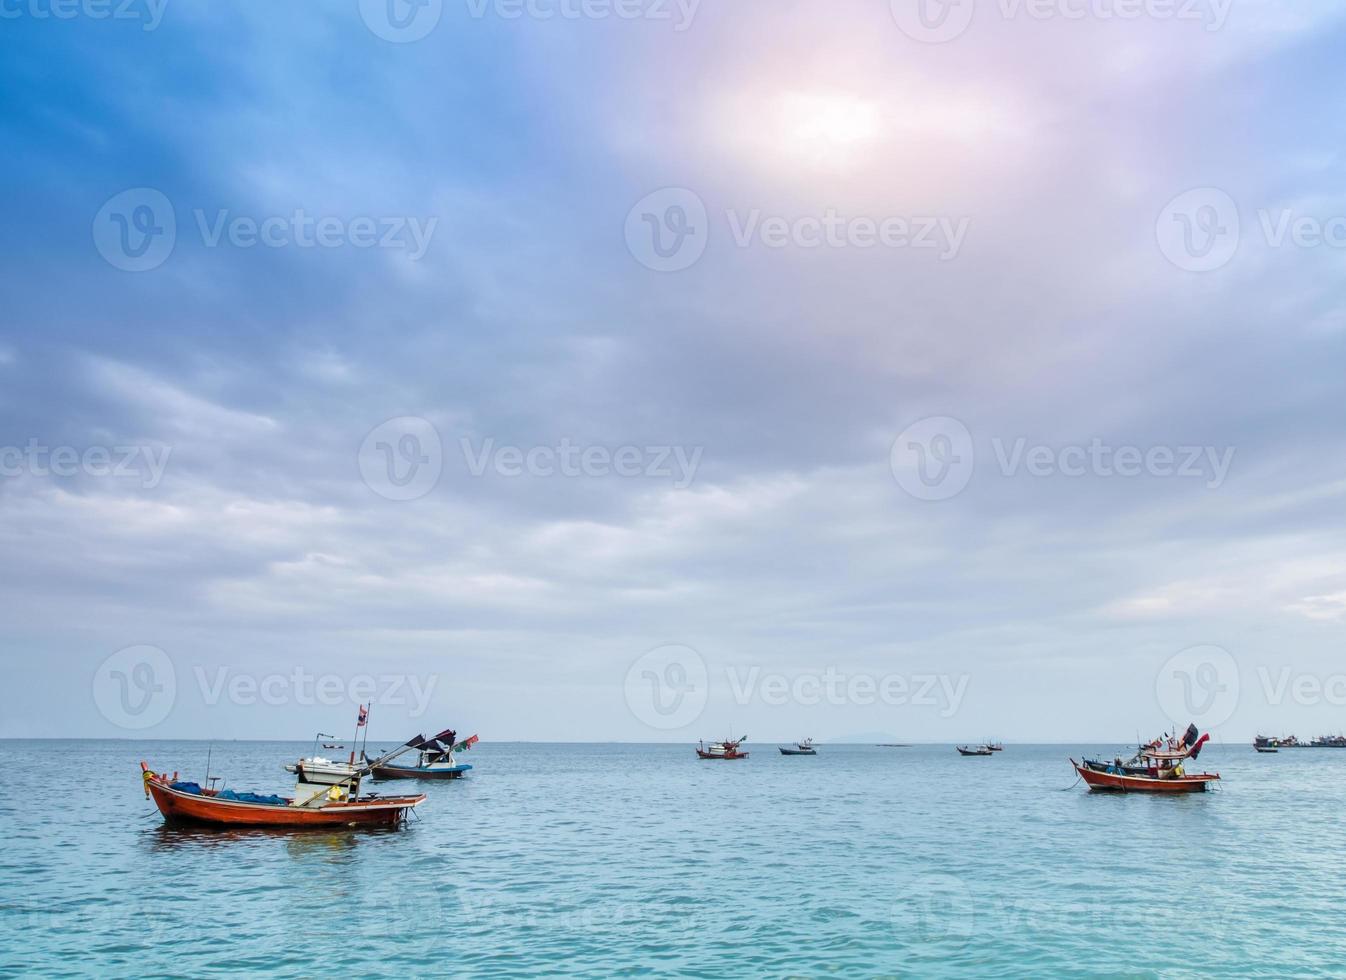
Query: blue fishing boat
435, 761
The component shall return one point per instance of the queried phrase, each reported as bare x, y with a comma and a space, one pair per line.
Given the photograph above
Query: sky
643, 370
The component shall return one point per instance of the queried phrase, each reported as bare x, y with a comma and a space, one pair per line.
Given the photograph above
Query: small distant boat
1265, 743
728, 749
978, 750
996, 746
436, 761
1157, 767
800, 748
1266, 749
332, 745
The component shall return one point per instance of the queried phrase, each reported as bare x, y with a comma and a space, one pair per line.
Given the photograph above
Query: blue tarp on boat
228, 794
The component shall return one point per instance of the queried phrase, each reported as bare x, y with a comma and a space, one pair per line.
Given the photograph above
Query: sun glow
826, 128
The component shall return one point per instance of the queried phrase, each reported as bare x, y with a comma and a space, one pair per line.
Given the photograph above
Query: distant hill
864, 738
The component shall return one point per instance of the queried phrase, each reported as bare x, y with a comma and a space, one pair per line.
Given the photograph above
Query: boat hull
784, 751
190, 808
415, 772
974, 752
1124, 783
721, 755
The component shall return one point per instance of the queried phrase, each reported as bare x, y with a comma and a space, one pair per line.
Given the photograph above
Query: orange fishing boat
186, 802
1157, 767
324, 796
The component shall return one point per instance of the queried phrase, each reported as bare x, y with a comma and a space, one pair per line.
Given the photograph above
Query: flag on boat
364, 717
466, 743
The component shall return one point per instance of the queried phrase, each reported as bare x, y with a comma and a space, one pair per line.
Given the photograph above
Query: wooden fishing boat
1128, 783
996, 746
435, 761
186, 802
1266, 749
728, 749
800, 748
979, 750
326, 794
1157, 767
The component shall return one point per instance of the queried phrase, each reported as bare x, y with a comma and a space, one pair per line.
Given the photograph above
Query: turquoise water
601, 860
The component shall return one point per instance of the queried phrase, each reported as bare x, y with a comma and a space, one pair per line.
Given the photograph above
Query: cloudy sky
643, 370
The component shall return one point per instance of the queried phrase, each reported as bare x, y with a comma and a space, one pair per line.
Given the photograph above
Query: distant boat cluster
1266, 743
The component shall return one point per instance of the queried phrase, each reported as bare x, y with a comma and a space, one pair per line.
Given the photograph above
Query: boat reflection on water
317, 840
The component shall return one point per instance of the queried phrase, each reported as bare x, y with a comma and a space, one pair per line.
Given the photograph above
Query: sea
602, 860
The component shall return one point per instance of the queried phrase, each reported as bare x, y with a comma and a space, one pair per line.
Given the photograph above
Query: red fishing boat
728, 749
324, 797
1157, 767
